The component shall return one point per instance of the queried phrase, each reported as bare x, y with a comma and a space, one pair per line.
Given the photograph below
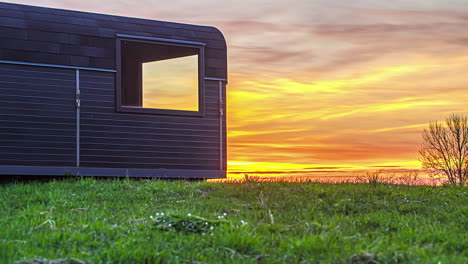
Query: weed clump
187, 223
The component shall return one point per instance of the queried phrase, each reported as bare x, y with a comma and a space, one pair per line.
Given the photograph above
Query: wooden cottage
101, 95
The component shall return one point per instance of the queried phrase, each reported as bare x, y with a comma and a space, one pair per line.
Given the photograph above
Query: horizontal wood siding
37, 104
130, 140
37, 116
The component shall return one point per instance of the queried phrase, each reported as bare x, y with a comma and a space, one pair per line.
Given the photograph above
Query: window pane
159, 76
171, 84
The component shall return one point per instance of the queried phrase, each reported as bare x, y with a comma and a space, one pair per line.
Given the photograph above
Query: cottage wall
39, 124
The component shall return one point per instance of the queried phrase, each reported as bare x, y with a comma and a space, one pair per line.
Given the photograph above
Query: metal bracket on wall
78, 101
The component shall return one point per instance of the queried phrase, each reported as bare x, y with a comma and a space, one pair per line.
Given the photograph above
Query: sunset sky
326, 85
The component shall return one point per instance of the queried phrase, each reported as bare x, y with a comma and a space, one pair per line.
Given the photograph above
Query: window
160, 76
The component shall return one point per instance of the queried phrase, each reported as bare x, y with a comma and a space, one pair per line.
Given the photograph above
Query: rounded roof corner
219, 34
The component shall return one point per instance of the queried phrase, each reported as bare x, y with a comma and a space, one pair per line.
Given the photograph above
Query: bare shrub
409, 178
444, 150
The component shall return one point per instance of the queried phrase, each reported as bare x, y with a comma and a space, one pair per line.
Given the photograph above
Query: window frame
159, 41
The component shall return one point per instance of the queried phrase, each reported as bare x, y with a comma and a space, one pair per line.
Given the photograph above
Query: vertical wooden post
221, 115
78, 106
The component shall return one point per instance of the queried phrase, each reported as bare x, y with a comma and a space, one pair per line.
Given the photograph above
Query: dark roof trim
175, 41
55, 66
215, 79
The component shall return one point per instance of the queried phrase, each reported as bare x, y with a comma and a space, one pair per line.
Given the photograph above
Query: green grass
121, 221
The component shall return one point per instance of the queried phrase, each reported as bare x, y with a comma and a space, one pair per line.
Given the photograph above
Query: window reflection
171, 84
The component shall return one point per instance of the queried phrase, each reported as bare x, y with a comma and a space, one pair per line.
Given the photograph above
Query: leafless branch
444, 150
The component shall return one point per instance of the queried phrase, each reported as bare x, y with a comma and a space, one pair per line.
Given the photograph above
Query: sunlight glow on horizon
288, 126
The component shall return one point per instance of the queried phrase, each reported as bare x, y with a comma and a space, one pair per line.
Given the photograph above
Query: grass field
127, 221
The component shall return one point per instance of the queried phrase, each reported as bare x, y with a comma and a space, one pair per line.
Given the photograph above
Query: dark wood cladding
64, 37
117, 140
44, 51
38, 124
